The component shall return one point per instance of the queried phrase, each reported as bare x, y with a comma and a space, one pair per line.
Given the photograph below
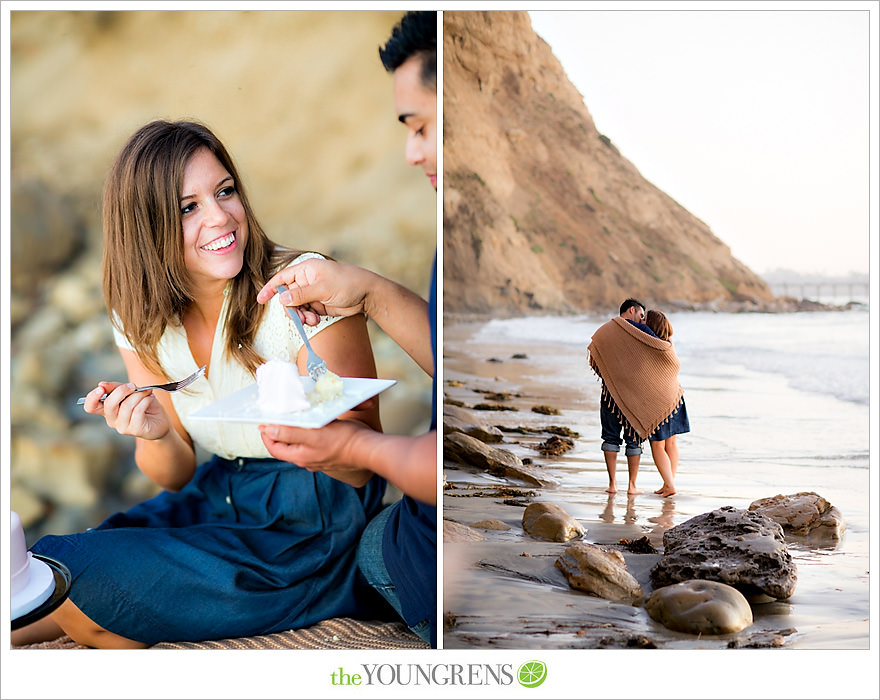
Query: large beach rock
491, 524
598, 571
548, 521
26, 502
459, 532
700, 607
461, 420
71, 470
804, 514
738, 547
500, 462
48, 232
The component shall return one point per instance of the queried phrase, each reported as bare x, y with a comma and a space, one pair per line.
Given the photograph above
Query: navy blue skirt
678, 423
247, 547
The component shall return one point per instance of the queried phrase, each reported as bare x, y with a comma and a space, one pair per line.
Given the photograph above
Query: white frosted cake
19, 556
328, 387
32, 580
280, 389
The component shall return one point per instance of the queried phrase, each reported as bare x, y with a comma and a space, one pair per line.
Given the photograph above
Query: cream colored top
277, 338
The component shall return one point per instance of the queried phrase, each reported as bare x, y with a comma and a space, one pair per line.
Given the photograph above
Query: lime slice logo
531, 674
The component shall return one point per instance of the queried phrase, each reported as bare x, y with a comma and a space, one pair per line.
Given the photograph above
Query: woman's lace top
277, 338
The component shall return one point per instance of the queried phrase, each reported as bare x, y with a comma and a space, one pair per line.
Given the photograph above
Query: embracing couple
641, 396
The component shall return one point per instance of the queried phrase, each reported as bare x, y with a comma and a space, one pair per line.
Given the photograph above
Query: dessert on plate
280, 388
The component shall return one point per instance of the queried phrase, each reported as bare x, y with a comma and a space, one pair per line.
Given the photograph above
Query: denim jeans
372, 565
611, 429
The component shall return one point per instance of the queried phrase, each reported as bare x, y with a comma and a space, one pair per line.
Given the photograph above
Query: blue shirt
643, 327
409, 543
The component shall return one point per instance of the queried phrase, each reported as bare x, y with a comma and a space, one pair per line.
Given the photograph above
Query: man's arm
343, 447
324, 287
403, 315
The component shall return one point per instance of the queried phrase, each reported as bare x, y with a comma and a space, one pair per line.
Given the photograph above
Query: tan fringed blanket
640, 373
337, 633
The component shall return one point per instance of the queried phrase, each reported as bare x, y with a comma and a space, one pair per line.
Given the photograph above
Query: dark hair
414, 35
628, 304
146, 283
659, 323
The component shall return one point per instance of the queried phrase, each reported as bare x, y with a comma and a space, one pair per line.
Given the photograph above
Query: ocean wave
823, 352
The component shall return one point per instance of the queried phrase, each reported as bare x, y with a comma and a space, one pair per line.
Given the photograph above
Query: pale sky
756, 121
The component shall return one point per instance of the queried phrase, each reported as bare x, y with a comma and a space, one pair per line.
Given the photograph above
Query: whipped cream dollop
280, 389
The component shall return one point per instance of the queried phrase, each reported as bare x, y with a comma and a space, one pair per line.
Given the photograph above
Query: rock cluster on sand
548, 521
599, 571
555, 445
741, 548
460, 420
467, 450
64, 463
700, 607
458, 532
710, 571
491, 524
804, 514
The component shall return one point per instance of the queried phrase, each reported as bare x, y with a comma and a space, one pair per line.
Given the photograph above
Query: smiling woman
233, 547
215, 229
180, 176
324, 173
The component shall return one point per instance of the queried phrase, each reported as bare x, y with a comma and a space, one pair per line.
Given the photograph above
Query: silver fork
314, 364
170, 386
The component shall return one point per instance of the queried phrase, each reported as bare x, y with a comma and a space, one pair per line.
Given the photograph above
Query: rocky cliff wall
542, 213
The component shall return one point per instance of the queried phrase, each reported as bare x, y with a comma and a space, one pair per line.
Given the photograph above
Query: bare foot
612, 488
633, 491
666, 491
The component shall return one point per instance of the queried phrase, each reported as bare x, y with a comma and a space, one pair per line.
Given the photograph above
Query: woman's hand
129, 412
166, 456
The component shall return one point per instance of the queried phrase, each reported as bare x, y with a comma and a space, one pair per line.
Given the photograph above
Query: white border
285, 674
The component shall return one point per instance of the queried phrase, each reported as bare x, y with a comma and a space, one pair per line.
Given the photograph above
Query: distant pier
824, 292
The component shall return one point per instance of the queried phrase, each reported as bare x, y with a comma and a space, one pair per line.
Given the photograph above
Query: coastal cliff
542, 213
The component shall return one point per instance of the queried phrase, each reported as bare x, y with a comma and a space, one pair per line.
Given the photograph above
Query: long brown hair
657, 322
146, 283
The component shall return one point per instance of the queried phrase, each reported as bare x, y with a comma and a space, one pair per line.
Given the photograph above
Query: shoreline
779, 305
531, 604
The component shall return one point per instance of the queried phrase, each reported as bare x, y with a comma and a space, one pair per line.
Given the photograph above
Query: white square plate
243, 407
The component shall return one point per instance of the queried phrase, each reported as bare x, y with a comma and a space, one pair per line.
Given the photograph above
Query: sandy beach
504, 592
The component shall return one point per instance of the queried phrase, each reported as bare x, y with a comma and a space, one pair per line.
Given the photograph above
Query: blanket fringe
629, 430
630, 434
609, 402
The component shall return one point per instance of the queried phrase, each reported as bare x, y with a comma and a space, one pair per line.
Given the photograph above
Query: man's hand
319, 449
317, 287
321, 288
350, 452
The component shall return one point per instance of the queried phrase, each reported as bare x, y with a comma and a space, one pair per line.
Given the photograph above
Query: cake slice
280, 389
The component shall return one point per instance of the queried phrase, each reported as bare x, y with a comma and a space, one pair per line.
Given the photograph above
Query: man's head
411, 55
633, 310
